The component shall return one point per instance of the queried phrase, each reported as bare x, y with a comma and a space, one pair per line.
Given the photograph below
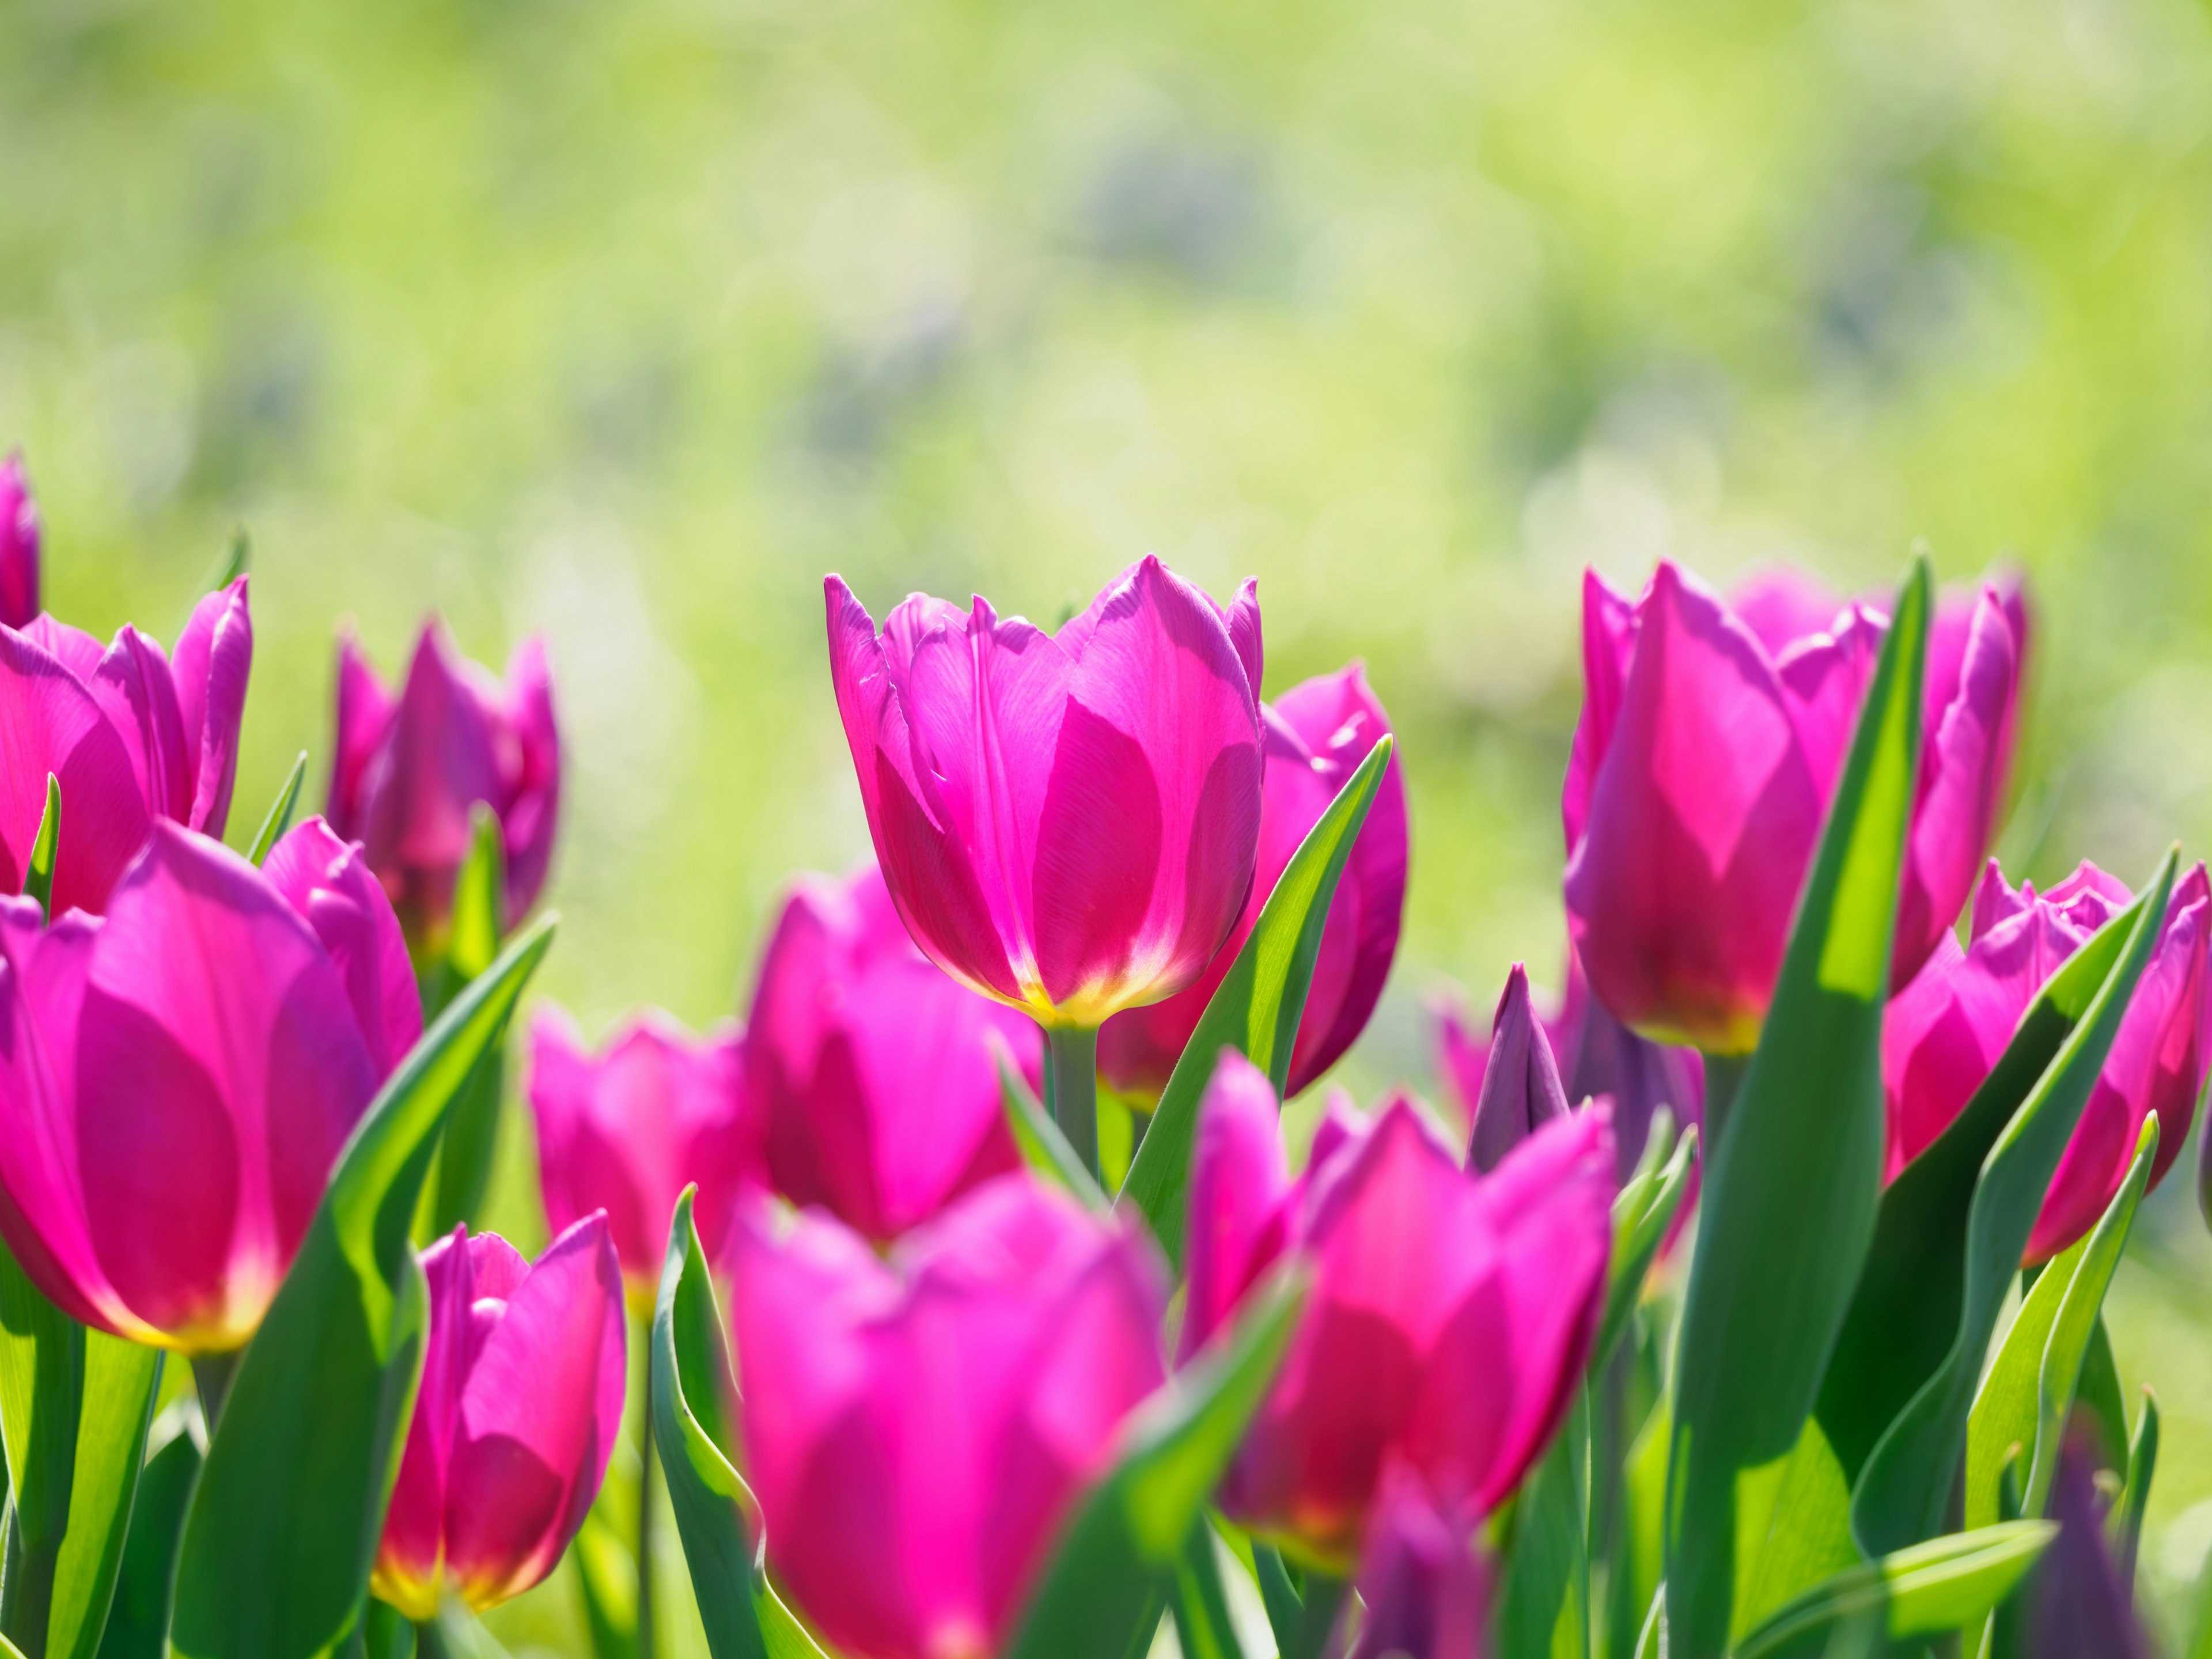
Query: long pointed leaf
278, 818
1641, 1215
1544, 1602
283, 1526
39, 869
121, 1381
1256, 1007
1902, 1492
1120, 1552
1792, 1187
1930, 1590
471, 1138
138, 1614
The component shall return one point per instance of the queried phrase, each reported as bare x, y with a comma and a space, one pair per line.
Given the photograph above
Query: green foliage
39, 869
1930, 1589
278, 818
283, 1525
138, 1616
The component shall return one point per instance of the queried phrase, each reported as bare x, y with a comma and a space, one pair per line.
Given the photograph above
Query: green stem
211, 1376
645, 1485
1074, 1051
1724, 1075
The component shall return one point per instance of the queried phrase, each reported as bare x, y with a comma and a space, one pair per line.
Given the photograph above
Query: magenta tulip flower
520, 1405
329, 882
876, 1074
1424, 1592
177, 1077
1451, 1315
131, 733
625, 1130
918, 1426
1313, 737
19, 545
1944, 1031
407, 771
1710, 741
1067, 822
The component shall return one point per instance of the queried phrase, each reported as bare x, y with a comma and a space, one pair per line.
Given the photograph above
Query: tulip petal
1240, 1180
136, 690
215, 657
1427, 1595
411, 1556
19, 545
365, 710
50, 724
1608, 645
328, 882
1520, 1088
530, 805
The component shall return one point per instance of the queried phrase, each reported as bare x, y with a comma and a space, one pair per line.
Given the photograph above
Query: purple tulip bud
1710, 742
1427, 1279
1314, 737
408, 772
1520, 1088
1944, 1032
622, 1132
917, 1426
1425, 1590
876, 1074
19, 545
176, 1079
520, 1408
1067, 822
2078, 1601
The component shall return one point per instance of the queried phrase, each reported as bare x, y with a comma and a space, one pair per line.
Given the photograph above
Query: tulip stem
211, 1375
1724, 1075
1074, 1083
647, 1462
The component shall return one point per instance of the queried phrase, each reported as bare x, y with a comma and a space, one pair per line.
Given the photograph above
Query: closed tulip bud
518, 1412
1067, 822
131, 733
875, 1074
1313, 737
624, 1130
1451, 1314
1520, 1088
1944, 1032
407, 773
19, 545
2078, 1601
177, 1079
1424, 1592
917, 1426
1710, 743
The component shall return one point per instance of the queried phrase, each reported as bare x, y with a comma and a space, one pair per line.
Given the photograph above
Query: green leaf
278, 818
1120, 1550
716, 1517
283, 1527
1793, 1527
1544, 1602
2029, 1391
1044, 1148
2126, 1519
1640, 1559
1256, 1007
39, 872
1641, 1215
1930, 1590
73, 1406
1791, 1189
138, 1615
1200, 1601
1284, 1606
606, 1572
1951, 1231
463, 1171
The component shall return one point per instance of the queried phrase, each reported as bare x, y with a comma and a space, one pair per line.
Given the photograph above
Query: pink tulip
19, 545
408, 772
1313, 737
520, 1405
1067, 822
918, 1426
1451, 1315
328, 881
624, 1131
177, 1079
1425, 1591
1710, 741
1944, 1031
875, 1074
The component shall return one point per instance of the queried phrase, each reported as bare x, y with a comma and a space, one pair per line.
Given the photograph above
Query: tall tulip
177, 1079
130, 732
407, 772
1449, 1317
1067, 822
1944, 1031
875, 1074
624, 1130
1313, 737
520, 1408
917, 1426
1710, 741
19, 545
1427, 1595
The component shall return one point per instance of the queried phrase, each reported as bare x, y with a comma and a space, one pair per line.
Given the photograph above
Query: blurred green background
626, 322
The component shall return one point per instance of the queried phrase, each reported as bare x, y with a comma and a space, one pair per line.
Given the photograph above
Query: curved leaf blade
283, 1526
1793, 1185
1928, 1590
1256, 1007
278, 818
138, 1614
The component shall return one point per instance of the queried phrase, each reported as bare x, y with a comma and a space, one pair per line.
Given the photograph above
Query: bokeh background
625, 323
